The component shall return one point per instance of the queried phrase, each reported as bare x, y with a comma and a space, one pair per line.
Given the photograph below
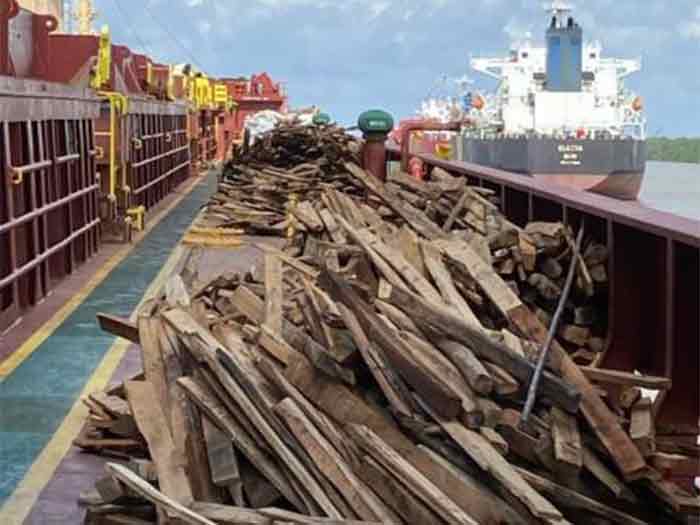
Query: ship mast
85, 14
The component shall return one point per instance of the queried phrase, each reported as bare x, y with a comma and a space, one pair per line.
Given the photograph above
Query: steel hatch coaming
50, 224
25, 99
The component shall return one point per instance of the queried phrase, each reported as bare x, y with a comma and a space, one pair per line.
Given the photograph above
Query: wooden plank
417, 219
285, 517
421, 487
207, 402
422, 375
491, 461
571, 499
326, 426
455, 327
389, 382
568, 449
510, 511
253, 307
227, 515
473, 371
602, 473
642, 428
676, 465
617, 377
119, 327
426, 357
153, 426
408, 244
441, 275
394, 493
335, 232
456, 211
274, 294
365, 239
172, 506
222, 456
600, 418
348, 407
274, 345
234, 375
362, 500
504, 384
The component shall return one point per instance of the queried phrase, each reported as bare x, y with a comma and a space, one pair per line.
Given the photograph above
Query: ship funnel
564, 51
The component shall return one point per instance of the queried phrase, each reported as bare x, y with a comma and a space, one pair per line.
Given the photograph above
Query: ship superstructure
565, 88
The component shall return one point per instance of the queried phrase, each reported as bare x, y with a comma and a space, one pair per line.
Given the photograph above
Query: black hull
611, 167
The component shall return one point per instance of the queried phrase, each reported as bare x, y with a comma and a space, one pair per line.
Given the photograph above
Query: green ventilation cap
322, 119
375, 121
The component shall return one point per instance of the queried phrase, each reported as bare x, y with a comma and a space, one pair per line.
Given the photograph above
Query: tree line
674, 150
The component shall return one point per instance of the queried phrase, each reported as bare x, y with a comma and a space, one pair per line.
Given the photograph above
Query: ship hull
609, 167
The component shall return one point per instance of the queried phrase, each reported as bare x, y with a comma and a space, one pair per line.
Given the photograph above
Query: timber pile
293, 164
374, 372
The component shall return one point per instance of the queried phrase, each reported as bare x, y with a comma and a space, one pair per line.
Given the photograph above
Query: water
673, 187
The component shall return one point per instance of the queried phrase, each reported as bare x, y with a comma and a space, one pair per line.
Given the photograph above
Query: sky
347, 56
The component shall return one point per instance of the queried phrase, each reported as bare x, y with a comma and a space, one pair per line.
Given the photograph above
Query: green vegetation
674, 150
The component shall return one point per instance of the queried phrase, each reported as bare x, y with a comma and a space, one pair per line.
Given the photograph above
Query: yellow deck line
39, 336
20, 503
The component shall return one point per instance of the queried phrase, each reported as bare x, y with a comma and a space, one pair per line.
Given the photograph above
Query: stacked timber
375, 372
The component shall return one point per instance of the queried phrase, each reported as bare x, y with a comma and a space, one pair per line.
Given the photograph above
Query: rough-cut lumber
172, 506
573, 500
274, 296
412, 479
601, 419
226, 515
347, 407
361, 499
153, 426
568, 448
421, 375
210, 406
642, 430
393, 387
471, 368
394, 493
443, 318
119, 327
491, 461
440, 274
616, 377
222, 456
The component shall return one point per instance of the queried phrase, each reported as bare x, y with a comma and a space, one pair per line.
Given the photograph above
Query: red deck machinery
249, 96
49, 220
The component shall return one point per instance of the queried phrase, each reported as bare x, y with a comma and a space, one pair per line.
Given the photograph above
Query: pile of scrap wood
375, 372
293, 164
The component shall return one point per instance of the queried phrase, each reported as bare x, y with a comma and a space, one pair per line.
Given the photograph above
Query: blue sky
351, 55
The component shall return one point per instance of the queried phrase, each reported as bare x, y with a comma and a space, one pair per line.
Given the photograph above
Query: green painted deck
36, 397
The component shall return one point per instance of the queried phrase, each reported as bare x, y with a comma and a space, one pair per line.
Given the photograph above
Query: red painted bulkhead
251, 95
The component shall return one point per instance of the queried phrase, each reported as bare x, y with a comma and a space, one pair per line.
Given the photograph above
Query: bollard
375, 126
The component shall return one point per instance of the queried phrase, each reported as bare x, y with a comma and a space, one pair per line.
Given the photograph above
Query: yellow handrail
118, 106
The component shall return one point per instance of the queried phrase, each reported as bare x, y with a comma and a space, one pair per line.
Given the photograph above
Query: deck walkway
43, 390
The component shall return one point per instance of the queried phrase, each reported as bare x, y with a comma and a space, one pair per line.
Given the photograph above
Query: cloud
348, 55
691, 29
